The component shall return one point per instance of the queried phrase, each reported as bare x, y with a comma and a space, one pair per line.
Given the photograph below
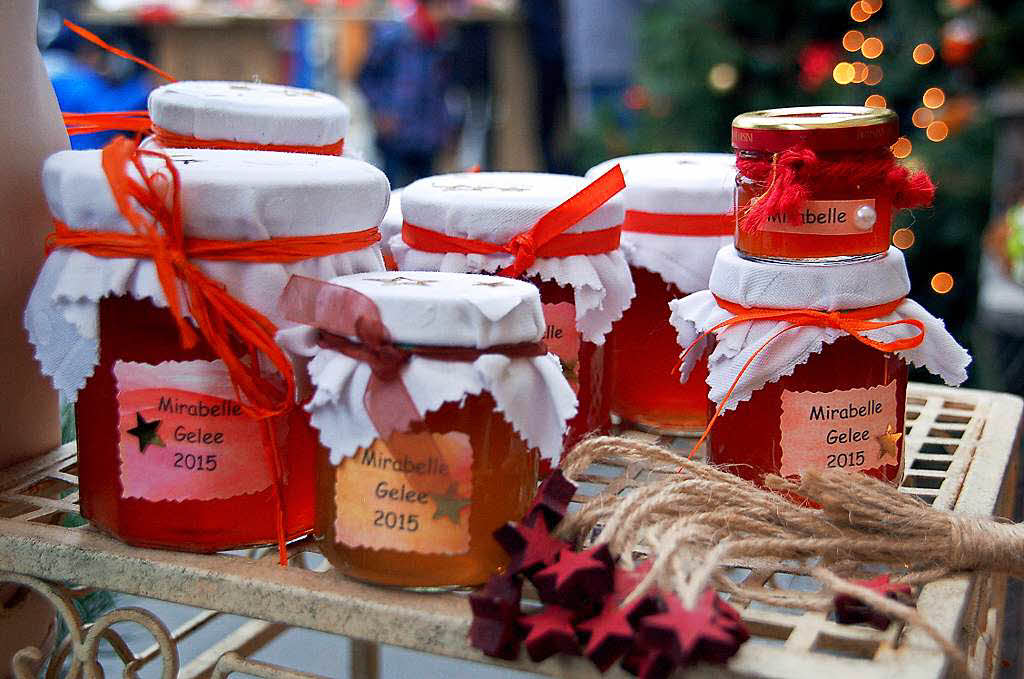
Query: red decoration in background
585, 592
816, 63
851, 611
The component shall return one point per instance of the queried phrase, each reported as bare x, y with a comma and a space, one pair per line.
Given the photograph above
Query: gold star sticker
146, 433
401, 280
889, 444
449, 504
493, 284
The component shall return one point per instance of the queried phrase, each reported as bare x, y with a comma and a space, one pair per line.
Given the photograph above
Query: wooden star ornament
529, 544
708, 632
495, 628
889, 445
851, 611
550, 631
553, 497
577, 579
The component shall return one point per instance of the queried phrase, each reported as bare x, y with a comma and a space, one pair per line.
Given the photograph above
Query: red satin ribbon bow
546, 238
854, 322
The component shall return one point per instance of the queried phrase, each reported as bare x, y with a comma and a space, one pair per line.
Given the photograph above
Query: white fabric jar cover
250, 113
440, 310
229, 195
774, 285
696, 185
496, 206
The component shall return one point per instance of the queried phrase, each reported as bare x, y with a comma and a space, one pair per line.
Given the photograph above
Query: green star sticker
449, 504
146, 433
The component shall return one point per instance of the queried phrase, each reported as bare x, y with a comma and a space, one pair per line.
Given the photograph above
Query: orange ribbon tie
854, 322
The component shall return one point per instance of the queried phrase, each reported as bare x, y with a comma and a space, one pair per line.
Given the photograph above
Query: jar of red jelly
808, 368
464, 223
678, 214
245, 115
168, 457
832, 159
432, 434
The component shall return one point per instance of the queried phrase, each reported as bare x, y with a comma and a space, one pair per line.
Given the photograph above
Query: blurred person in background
86, 78
406, 78
544, 31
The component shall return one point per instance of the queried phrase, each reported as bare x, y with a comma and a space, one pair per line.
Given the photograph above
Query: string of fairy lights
928, 117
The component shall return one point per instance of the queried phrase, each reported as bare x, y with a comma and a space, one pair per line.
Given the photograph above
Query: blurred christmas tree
933, 61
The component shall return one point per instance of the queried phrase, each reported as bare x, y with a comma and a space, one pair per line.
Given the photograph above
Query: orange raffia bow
546, 238
854, 322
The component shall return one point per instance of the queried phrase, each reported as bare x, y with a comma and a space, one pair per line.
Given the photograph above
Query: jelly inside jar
646, 390
846, 223
583, 362
423, 516
181, 442
843, 409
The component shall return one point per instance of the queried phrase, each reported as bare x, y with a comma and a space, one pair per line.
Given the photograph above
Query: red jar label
183, 437
563, 339
409, 496
846, 429
828, 218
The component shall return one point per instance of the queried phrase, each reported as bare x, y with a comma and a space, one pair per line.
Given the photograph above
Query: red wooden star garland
584, 592
851, 611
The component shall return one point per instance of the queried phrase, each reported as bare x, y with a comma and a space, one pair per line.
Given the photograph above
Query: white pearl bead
865, 217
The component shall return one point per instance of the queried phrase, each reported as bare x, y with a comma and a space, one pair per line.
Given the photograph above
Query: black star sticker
146, 433
401, 280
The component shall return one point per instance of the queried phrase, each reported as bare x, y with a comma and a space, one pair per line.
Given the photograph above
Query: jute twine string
694, 518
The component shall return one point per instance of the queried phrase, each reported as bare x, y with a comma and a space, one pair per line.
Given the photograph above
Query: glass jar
843, 220
167, 455
678, 214
493, 484
842, 409
425, 454
211, 114
490, 209
116, 498
644, 353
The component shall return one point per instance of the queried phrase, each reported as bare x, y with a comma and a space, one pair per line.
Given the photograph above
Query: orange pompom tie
232, 329
854, 322
546, 238
795, 175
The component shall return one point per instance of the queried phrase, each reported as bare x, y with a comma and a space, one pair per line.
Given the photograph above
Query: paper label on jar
182, 436
852, 429
827, 218
413, 495
563, 339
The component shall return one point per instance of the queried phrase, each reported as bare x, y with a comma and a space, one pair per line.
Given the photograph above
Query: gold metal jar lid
822, 128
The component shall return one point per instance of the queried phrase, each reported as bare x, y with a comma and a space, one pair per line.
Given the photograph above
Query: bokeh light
942, 282
874, 75
723, 77
933, 97
903, 238
937, 131
875, 101
872, 47
860, 71
843, 73
858, 13
871, 6
902, 147
922, 117
853, 40
924, 53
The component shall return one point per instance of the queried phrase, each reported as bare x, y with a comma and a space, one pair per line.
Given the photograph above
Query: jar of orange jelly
244, 115
168, 454
434, 397
506, 223
678, 214
808, 366
813, 182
